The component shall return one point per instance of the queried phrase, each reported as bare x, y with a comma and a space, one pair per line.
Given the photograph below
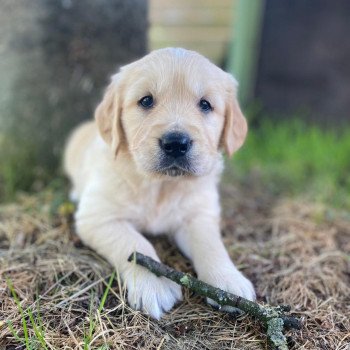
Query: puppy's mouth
174, 171
175, 168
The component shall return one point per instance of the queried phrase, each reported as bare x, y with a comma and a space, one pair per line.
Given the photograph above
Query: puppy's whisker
136, 144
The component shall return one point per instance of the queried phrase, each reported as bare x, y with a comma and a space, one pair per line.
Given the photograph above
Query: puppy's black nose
175, 144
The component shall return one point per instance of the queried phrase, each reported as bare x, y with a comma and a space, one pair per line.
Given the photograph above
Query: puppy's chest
161, 209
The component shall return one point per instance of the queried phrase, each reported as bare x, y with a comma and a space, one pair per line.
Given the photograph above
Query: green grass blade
24, 322
88, 337
13, 332
37, 330
92, 324
105, 294
40, 322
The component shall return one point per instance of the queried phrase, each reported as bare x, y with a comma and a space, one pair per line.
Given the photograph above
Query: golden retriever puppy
150, 163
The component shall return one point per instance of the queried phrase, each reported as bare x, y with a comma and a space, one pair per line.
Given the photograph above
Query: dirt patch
295, 252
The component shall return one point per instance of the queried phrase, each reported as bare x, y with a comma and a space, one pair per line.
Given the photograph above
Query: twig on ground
272, 317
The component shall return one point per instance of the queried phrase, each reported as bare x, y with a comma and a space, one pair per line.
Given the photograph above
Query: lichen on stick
273, 318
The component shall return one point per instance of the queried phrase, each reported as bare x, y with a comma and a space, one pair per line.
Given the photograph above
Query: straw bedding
294, 251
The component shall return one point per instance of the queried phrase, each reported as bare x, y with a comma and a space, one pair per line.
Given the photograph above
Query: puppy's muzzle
175, 157
175, 144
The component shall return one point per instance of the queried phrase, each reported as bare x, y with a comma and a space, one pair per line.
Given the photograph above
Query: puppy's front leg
200, 240
116, 240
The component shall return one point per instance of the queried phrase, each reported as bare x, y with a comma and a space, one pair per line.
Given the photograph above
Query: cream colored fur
112, 163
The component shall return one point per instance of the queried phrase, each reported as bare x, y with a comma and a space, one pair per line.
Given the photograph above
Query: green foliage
93, 319
293, 157
105, 294
32, 322
30, 343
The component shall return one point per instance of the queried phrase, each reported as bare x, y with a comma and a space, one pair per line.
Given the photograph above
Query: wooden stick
272, 317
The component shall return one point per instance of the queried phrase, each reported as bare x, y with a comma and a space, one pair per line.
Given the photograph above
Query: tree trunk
55, 59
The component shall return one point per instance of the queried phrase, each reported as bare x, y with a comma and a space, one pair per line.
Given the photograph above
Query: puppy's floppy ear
108, 114
235, 127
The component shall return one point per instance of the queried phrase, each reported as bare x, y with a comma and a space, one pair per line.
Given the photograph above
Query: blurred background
291, 58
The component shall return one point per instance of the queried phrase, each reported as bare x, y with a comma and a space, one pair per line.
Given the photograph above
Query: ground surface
295, 252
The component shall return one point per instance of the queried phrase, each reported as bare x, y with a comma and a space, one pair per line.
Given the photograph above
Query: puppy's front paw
151, 294
231, 281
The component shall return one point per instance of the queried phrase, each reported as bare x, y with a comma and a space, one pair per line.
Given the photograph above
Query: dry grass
294, 252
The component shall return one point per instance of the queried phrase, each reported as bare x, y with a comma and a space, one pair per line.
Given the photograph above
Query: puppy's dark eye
146, 102
205, 106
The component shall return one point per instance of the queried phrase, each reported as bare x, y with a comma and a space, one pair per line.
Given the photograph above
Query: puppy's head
173, 111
